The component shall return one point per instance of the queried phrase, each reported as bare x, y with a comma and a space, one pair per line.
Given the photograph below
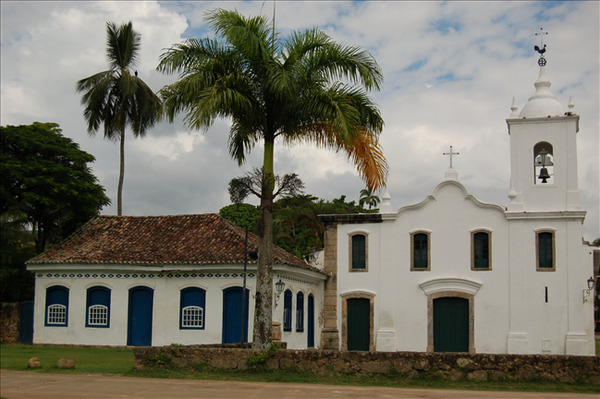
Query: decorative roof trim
465, 286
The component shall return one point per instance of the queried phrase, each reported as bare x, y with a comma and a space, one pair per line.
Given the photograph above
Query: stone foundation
451, 366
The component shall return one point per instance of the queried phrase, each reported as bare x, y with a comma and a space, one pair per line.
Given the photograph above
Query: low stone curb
451, 366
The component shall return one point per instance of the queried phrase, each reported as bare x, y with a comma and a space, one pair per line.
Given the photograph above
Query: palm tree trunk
263, 309
121, 175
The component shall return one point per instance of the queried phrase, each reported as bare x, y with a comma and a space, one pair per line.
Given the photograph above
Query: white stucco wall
166, 305
510, 300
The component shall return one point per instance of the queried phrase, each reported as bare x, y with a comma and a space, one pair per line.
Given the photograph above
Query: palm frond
122, 45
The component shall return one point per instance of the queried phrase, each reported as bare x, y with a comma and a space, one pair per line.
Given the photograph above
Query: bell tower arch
543, 152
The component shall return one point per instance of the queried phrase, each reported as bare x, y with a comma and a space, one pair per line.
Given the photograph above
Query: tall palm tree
117, 97
306, 88
367, 197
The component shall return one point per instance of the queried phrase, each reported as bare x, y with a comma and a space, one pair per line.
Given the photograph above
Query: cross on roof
451, 153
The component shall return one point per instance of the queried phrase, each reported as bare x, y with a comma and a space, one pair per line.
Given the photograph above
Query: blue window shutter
193, 300
300, 312
98, 307
287, 310
57, 306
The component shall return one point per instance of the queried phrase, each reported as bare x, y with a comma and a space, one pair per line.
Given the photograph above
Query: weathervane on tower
542, 48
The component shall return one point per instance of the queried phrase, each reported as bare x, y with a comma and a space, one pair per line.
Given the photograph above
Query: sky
451, 70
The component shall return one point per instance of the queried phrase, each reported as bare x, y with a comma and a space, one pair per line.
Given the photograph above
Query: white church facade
453, 274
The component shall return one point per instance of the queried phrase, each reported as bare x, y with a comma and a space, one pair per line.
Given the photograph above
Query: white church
454, 274
448, 274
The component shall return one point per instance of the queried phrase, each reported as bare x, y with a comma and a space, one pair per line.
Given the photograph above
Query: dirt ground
33, 385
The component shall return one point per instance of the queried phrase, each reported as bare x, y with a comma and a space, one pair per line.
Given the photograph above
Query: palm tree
117, 97
367, 197
271, 88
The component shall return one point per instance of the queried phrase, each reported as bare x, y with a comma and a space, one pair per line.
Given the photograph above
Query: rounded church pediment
435, 286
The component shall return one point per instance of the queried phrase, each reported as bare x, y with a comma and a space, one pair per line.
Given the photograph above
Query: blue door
139, 323
311, 321
232, 315
26, 323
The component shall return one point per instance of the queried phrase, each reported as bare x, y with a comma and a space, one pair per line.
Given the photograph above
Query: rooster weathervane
542, 47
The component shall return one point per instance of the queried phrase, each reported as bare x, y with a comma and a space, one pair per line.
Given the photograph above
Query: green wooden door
450, 325
359, 324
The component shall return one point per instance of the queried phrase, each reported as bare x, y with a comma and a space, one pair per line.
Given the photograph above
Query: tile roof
160, 240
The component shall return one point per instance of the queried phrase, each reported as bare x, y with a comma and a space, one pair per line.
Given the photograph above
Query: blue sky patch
415, 65
446, 26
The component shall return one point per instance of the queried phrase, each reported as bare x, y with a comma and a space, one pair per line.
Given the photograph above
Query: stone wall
9, 323
452, 366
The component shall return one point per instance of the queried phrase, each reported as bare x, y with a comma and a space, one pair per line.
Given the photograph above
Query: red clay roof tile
160, 240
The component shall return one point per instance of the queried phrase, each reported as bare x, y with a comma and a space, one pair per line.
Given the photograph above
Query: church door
359, 324
232, 315
139, 326
450, 325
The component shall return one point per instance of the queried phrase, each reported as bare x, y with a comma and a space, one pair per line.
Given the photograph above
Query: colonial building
452, 273
158, 280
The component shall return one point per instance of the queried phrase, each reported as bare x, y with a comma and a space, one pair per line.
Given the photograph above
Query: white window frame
192, 317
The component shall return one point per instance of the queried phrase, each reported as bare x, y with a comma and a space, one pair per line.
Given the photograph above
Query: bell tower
543, 151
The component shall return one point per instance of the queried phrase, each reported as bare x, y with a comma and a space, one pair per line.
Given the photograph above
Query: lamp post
591, 285
243, 329
279, 287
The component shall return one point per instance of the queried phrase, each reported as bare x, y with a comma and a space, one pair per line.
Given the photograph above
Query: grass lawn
103, 360
87, 359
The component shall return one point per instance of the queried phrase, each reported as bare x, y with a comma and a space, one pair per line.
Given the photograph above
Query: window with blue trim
300, 312
287, 310
191, 308
57, 306
98, 307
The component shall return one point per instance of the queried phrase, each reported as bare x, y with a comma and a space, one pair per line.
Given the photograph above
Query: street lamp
586, 293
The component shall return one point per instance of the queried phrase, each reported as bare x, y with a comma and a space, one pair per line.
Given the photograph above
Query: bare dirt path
33, 385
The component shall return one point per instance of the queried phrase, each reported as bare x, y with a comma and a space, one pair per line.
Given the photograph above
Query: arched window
98, 307
299, 312
481, 251
57, 306
191, 308
358, 252
420, 251
287, 310
543, 155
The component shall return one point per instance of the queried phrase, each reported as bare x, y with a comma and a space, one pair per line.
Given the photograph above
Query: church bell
544, 175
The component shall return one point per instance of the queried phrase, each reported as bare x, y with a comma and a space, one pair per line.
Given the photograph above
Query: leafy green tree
46, 182
16, 246
367, 197
304, 88
117, 97
244, 215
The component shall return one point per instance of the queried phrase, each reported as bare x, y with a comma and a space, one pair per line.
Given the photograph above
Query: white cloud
450, 68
